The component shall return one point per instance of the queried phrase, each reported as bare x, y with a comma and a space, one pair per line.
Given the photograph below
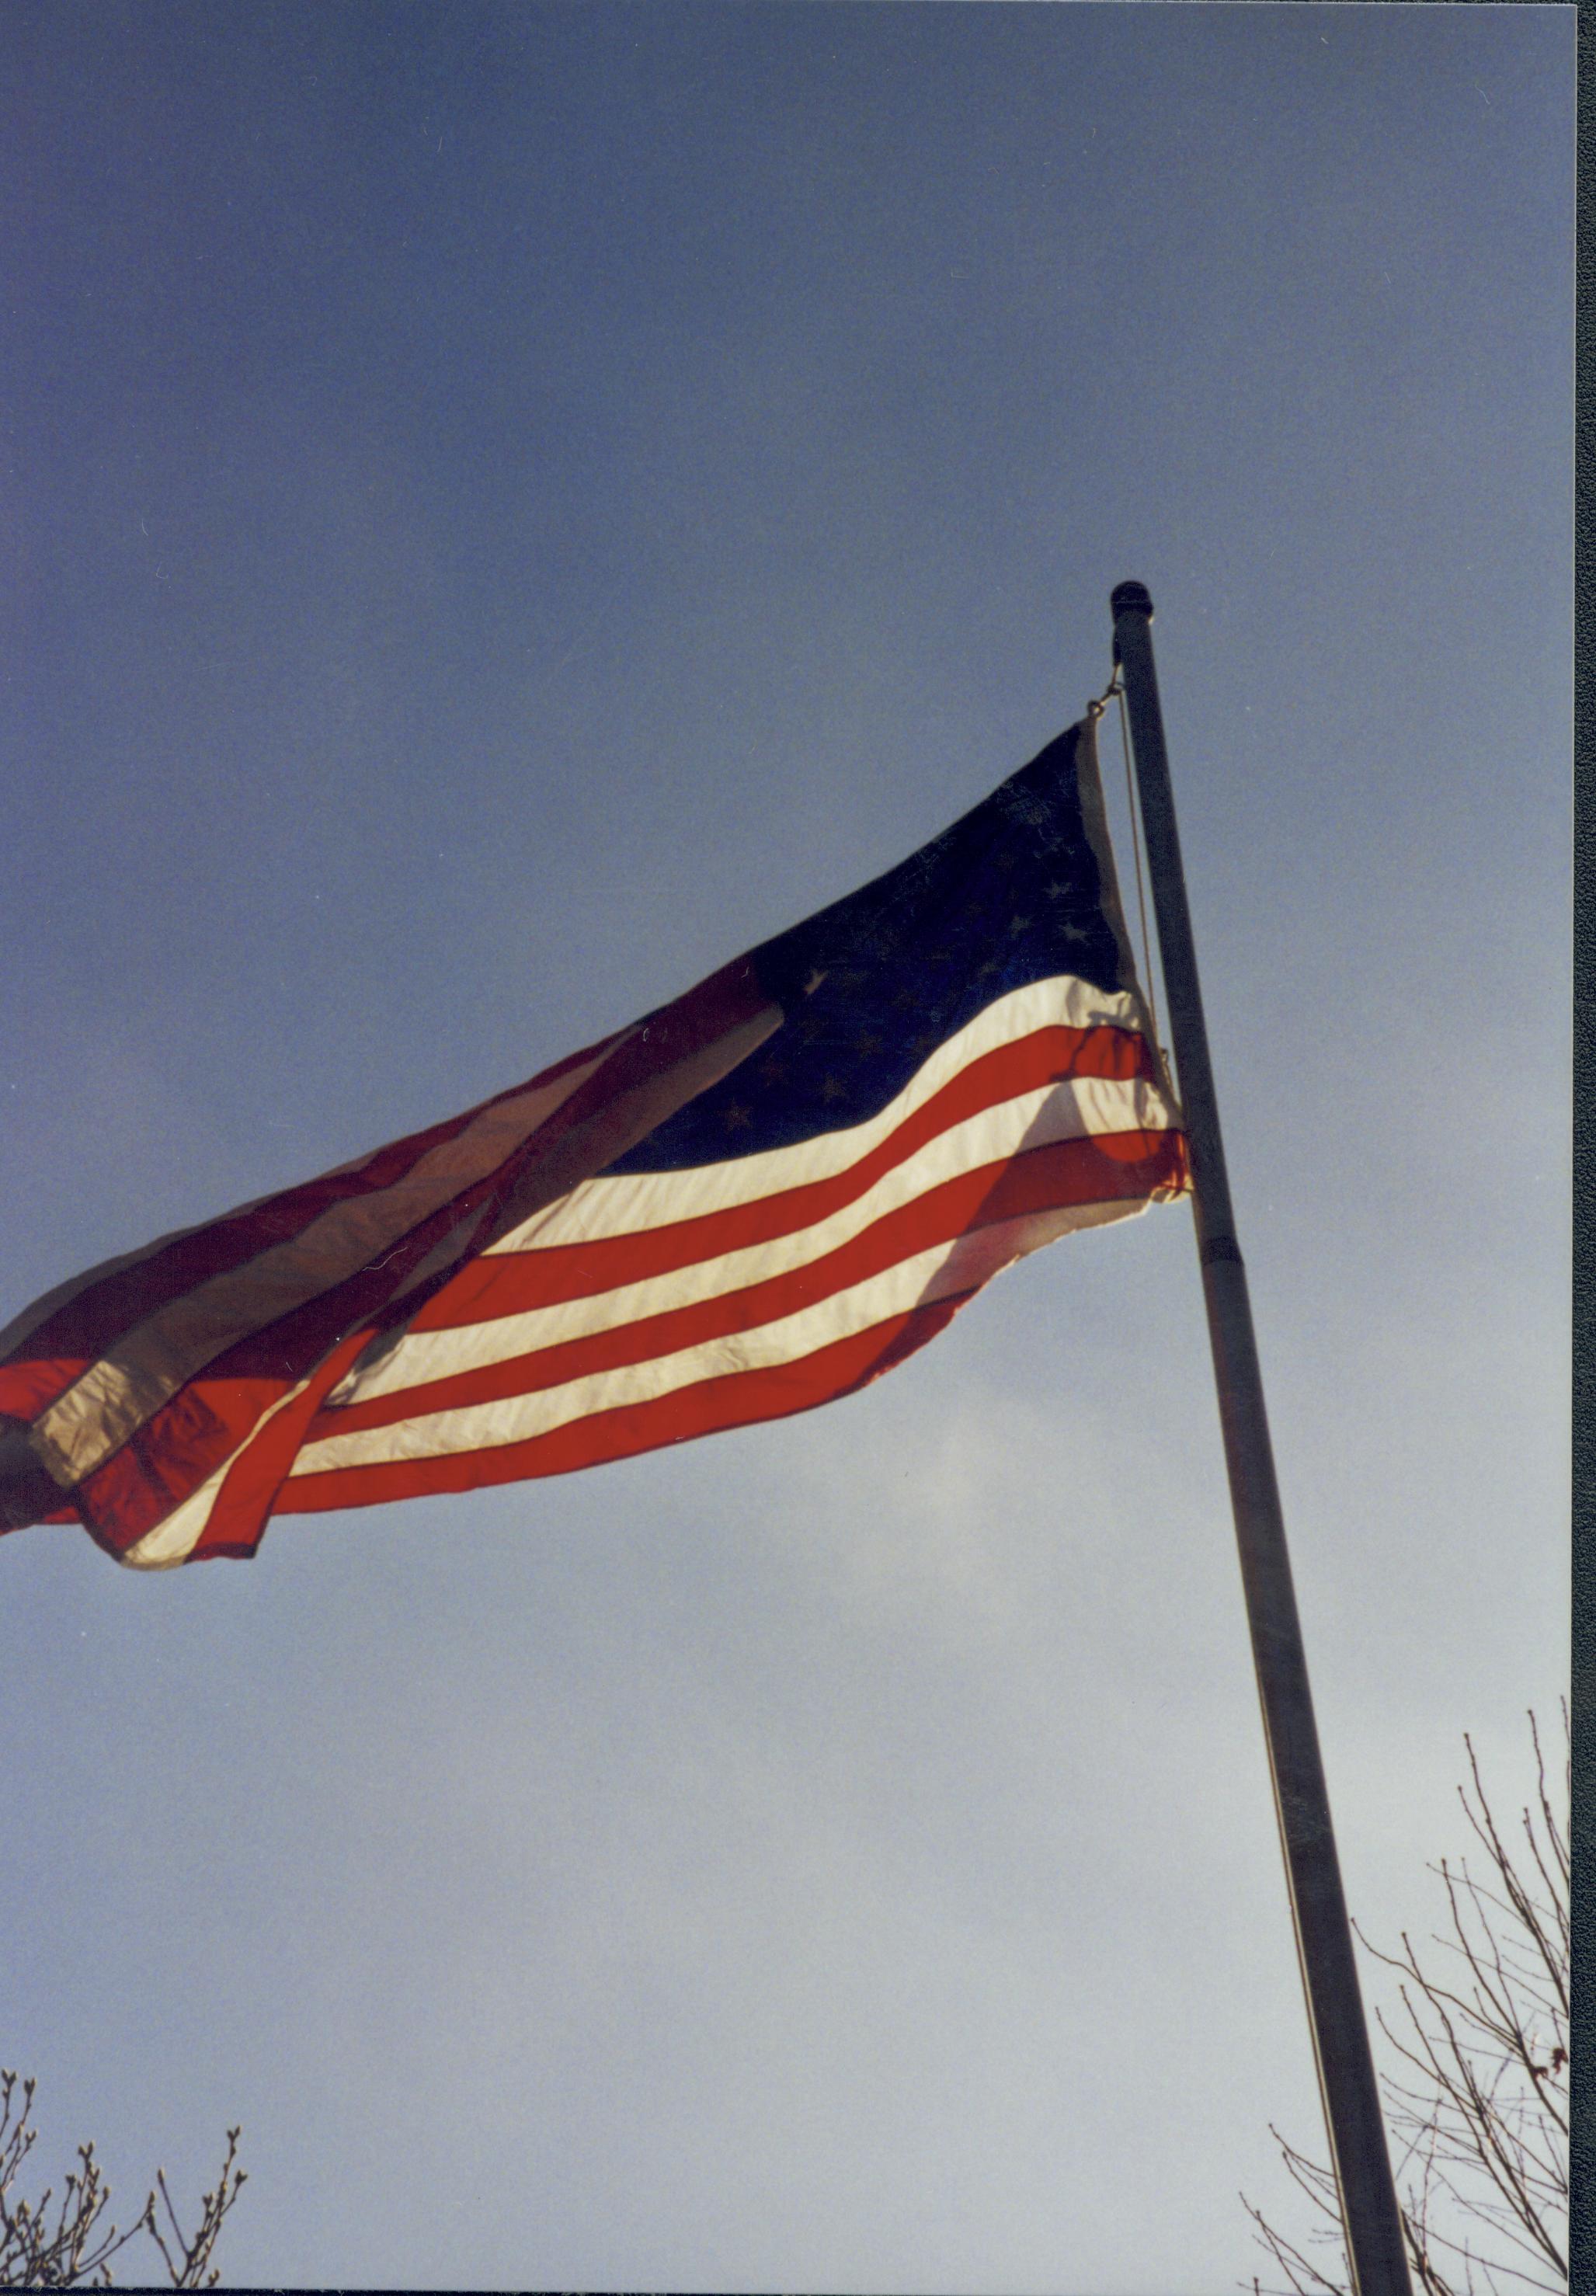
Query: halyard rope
1115, 692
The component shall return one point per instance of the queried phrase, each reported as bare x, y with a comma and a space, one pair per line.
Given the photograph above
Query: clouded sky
507, 505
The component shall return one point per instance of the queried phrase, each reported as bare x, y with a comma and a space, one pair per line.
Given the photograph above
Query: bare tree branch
1479, 2115
73, 2246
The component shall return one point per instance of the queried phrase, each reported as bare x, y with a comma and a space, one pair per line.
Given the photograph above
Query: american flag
755, 1200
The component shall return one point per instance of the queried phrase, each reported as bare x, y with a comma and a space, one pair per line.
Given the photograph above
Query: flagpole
1370, 2214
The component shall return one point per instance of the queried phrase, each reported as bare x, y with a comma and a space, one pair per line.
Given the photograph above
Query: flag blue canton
1012, 893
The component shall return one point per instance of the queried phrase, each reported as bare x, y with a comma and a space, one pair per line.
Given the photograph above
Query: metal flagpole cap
1131, 598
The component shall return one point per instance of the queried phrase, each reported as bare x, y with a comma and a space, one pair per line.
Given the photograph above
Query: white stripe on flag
1082, 1107
175, 1536
944, 1271
145, 1368
628, 1202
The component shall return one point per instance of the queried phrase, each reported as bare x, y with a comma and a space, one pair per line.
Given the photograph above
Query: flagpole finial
1131, 597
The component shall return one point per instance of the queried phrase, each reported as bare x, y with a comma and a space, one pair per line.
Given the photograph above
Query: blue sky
506, 506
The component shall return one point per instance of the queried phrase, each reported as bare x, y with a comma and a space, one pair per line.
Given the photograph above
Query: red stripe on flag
709, 1408
190, 1435
243, 1502
1103, 1169
83, 1327
507, 1282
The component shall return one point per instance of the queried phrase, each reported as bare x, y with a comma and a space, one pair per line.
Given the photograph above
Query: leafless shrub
70, 2244
1479, 2110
